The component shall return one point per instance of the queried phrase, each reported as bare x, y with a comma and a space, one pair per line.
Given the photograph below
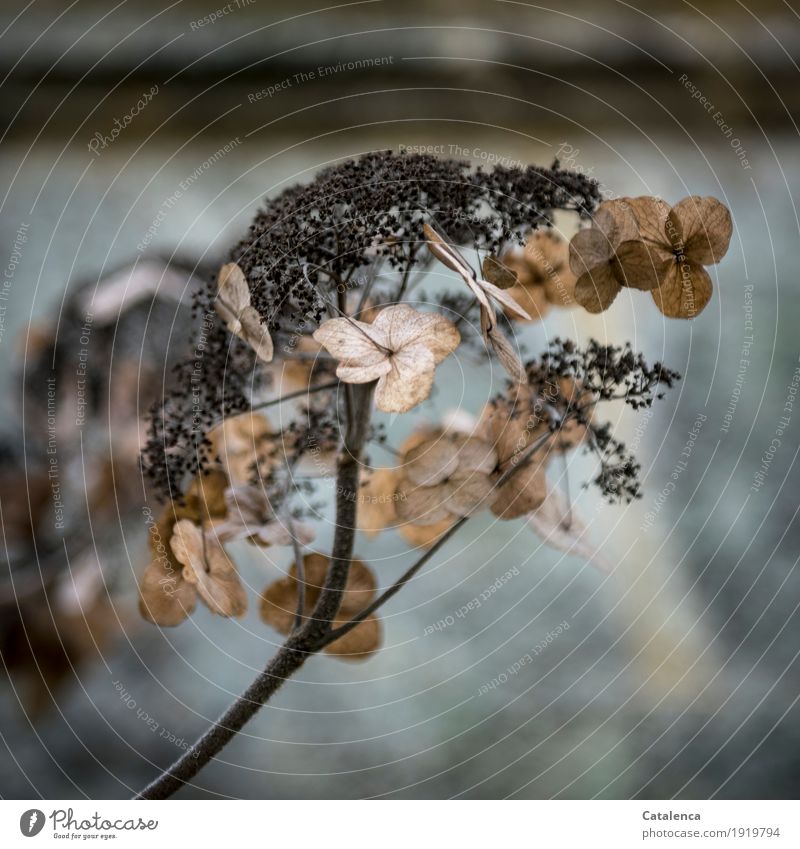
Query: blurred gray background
678, 675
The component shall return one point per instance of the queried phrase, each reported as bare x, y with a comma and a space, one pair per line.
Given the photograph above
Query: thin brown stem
309, 390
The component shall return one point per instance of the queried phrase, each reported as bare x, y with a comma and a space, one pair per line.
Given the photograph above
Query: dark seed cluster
570, 382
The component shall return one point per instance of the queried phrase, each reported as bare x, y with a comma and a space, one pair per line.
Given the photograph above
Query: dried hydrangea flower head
443, 477
279, 603
400, 349
543, 275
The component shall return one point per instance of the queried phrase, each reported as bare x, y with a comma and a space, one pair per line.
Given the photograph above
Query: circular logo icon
31, 822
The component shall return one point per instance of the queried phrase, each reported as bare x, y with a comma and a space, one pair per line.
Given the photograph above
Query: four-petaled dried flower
234, 308
672, 248
644, 244
443, 477
279, 605
400, 349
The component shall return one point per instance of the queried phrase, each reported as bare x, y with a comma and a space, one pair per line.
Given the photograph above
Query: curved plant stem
301, 643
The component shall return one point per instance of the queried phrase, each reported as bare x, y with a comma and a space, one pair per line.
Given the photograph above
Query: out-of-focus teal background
678, 675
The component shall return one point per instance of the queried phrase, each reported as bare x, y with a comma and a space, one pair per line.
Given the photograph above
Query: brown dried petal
560, 289
533, 299
685, 292
165, 598
278, 605
503, 349
616, 221
351, 341
524, 492
424, 536
431, 462
422, 505
706, 228
651, 217
498, 273
467, 493
641, 265
358, 644
589, 249
475, 455
596, 290
234, 293
404, 326
255, 332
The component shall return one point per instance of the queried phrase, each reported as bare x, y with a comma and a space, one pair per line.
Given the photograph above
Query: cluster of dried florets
449, 472
315, 303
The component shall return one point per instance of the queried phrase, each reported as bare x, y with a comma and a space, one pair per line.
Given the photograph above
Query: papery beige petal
596, 290
352, 341
706, 228
359, 590
686, 291
476, 455
504, 351
643, 266
559, 525
431, 462
233, 290
278, 605
560, 288
533, 299
255, 332
424, 536
364, 373
408, 383
617, 221
468, 492
403, 326
207, 566
505, 299
443, 251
